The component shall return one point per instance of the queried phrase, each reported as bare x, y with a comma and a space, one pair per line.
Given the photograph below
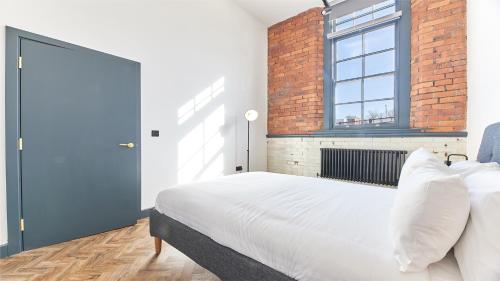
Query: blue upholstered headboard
490, 145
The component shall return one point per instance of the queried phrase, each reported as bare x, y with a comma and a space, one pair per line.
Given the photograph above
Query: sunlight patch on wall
200, 151
187, 110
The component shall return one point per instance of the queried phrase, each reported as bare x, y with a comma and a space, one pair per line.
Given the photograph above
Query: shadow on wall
200, 150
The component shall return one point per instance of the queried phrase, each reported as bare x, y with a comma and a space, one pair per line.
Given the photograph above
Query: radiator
362, 165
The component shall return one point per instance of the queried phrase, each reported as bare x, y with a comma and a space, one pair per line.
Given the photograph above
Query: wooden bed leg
157, 245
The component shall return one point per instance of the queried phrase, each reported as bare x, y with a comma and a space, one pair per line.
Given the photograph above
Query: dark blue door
77, 107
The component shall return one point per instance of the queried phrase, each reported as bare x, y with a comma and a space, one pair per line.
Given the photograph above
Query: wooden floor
124, 254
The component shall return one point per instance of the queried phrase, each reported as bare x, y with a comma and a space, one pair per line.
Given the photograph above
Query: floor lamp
251, 115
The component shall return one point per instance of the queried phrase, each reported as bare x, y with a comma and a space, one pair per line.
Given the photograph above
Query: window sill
371, 133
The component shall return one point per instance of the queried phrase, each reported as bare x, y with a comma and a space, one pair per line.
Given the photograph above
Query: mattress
306, 228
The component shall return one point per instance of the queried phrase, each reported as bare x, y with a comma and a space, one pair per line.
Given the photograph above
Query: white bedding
307, 228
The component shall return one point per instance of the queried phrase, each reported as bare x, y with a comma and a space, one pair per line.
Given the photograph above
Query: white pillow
466, 167
416, 159
430, 212
478, 250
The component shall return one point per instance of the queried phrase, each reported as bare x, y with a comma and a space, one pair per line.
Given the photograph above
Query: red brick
295, 74
443, 82
438, 55
438, 69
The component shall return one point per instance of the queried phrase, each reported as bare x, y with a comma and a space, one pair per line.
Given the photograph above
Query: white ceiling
270, 12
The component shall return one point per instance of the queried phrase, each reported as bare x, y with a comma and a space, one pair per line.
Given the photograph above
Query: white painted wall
483, 71
273, 11
202, 59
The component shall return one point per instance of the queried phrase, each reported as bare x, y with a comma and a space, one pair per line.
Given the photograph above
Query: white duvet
307, 228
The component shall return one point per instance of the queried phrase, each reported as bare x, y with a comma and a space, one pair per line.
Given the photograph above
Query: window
368, 84
365, 15
364, 82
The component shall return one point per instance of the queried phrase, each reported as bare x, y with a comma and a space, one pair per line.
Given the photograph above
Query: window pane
379, 112
348, 91
383, 4
368, 97
379, 39
349, 69
348, 48
379, 87
379, 63
363, 11
363, 19
344, 25
344, 18
348, 114
384, 12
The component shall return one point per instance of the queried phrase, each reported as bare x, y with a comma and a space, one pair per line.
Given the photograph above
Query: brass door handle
127, 145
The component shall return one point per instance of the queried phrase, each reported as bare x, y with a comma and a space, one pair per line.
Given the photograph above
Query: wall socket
239, 168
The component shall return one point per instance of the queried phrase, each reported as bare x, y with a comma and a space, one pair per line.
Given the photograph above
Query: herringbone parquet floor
123, 254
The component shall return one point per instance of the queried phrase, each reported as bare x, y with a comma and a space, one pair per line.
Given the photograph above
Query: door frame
13, 37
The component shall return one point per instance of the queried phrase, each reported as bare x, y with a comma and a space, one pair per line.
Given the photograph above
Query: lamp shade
251, 115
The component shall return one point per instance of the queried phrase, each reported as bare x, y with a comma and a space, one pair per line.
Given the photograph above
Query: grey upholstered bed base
222, 261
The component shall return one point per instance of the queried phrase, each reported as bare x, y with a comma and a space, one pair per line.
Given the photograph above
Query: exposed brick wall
295, 74
438, 69
438, 65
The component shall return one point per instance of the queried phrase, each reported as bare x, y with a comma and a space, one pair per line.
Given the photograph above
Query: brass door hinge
21, 224
20, 144
20, 62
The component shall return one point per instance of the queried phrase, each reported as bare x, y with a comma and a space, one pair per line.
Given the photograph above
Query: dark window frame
402, 71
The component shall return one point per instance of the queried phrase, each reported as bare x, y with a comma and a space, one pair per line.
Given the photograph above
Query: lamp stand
248, 146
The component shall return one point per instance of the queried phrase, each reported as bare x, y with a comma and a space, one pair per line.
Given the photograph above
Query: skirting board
3, 251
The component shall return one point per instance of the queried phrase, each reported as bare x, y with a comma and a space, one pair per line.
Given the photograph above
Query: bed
263, 226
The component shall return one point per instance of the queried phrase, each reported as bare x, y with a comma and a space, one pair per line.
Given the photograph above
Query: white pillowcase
416, 159
467, 167
478, 250
430, 211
